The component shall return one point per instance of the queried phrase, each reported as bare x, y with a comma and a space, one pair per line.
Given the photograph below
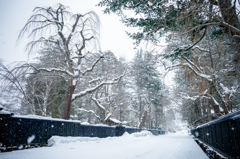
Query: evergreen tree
157, 18
148, 95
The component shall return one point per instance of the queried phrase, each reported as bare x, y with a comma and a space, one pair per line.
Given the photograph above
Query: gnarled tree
73, 37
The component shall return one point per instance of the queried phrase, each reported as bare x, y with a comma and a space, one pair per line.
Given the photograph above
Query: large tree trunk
142, 120
222, 103
230, 16
45, 100
68, 100
216, 109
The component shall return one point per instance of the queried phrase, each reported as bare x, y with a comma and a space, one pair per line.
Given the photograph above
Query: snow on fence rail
23, 131
222, 134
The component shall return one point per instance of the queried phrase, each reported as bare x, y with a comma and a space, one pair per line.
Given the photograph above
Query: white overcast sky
15, 13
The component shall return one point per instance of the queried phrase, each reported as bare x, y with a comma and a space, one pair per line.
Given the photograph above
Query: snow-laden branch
93, 65
202, 95
230, 26
90, 111
200, 74
186, 96
56, 70
108, 116
214, 100
193, 67
90, 90
73, 28
195, 43
226, 91
192, 64
12, 77
218, 23
98, 104
201, 49
236, 36
95, 80
200, 26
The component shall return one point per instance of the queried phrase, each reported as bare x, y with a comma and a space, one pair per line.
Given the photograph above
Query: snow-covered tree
147, 94
12, 83
210, 86
74, 38
203, 39
46, 94
103, 102
156, 18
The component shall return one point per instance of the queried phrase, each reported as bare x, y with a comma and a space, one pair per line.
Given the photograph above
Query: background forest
71, 79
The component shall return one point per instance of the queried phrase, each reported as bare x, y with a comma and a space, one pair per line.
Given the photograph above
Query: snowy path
172, 146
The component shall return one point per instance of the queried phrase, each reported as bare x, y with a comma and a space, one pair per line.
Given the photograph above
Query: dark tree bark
68, 100
230, 16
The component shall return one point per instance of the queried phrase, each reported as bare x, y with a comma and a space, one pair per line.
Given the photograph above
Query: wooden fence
222, 134
15, 131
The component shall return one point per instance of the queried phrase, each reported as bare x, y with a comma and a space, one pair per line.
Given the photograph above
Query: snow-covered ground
138, 145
